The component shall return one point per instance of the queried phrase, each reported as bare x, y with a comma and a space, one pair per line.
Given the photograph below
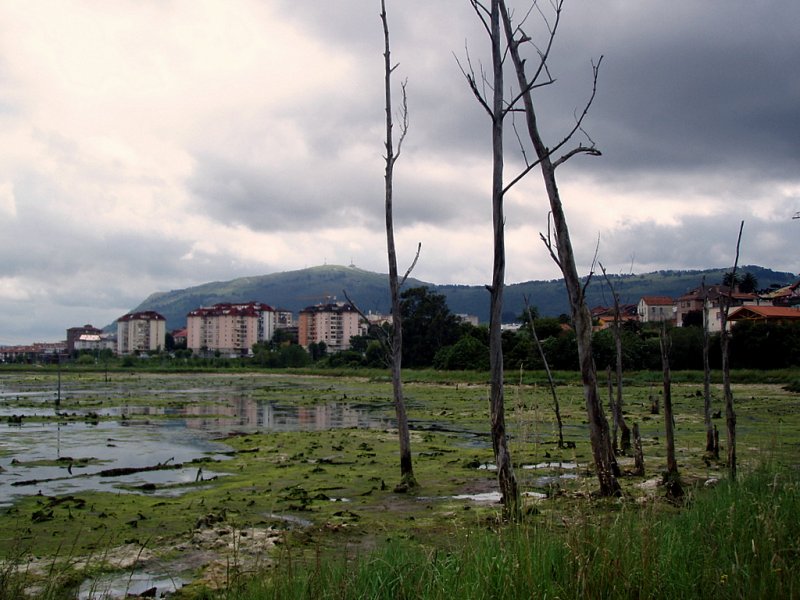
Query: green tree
467, 353
428, 326
748, 284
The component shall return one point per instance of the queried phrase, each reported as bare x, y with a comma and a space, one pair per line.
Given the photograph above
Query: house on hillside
656, 309
689, 307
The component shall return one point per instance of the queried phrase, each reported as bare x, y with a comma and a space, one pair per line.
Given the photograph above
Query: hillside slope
294, 290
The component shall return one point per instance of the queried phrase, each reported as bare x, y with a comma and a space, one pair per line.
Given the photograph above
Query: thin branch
591, 269
384, 338
411, 268
403, 120
548, 242
471, 80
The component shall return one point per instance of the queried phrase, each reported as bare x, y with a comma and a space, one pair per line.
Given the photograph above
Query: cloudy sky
149, 145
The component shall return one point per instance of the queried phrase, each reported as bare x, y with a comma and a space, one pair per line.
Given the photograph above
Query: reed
739, 540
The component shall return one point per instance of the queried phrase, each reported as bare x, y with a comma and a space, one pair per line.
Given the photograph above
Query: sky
151, 145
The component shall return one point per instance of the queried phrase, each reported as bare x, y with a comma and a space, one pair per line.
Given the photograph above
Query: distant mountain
294, 290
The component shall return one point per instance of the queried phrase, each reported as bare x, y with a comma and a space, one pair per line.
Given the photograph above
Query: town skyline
149, 147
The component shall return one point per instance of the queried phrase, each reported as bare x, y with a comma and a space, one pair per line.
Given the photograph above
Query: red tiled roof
146, 315
764, 312
657, 300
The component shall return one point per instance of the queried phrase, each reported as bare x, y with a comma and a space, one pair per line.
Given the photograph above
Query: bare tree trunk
618, 419
611, 403
605, 463
505, 470
638, 455
556, 406
671, 477
407, 479
710, 447
730, 414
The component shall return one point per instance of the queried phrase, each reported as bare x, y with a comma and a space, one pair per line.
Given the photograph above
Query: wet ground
247, 470
51, 447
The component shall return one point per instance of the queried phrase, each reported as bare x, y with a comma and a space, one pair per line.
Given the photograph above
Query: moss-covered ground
328, 489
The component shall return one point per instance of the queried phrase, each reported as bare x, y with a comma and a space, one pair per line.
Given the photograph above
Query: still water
55, 450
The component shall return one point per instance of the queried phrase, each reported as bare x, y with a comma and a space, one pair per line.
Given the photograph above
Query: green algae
340, 481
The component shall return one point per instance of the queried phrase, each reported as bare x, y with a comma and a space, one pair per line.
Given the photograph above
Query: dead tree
712, 446
730, 414
611, 402
497, 108
395, 348
556, 406
563, 255
638, 455
616, 407
671, 477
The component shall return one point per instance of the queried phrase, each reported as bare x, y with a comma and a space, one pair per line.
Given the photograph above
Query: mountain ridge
294, 290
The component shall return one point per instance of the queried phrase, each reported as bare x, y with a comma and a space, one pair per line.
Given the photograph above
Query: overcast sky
149, 145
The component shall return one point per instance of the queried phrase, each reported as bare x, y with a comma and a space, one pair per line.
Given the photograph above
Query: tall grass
735, 541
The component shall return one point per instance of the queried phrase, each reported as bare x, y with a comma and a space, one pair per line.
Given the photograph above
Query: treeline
435, 337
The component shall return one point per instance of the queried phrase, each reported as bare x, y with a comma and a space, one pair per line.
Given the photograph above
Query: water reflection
140, 435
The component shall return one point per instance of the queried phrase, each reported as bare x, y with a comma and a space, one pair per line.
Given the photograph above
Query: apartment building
333, 323
230, 329
144, 331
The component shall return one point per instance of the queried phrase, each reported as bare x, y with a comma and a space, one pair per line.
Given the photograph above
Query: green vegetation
294, 290
735, 541
340, 481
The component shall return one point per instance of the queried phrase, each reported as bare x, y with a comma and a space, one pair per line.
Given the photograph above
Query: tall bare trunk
396, 344
611, 402
710, 445
618, 416
556, 406
599, 434
671, 478
505, 470
730, 414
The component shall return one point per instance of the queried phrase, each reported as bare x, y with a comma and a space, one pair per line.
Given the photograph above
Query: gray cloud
218, 156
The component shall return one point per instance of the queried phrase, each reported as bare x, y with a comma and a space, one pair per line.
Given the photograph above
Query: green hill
294, 290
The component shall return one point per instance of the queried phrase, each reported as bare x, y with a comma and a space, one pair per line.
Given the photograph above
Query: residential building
179, 337
144, 331
284, 319
655, 309
95, 342
765, 313
229, 329
74, 333
333, 323
786, 296
604, 315
689, 307
38, 352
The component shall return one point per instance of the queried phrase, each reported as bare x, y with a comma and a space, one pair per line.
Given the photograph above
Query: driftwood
116, 472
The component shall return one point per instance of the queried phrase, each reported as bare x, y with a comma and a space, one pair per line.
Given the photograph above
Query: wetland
115, 484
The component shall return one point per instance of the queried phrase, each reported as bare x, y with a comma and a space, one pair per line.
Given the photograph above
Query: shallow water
125, 585
94, 423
